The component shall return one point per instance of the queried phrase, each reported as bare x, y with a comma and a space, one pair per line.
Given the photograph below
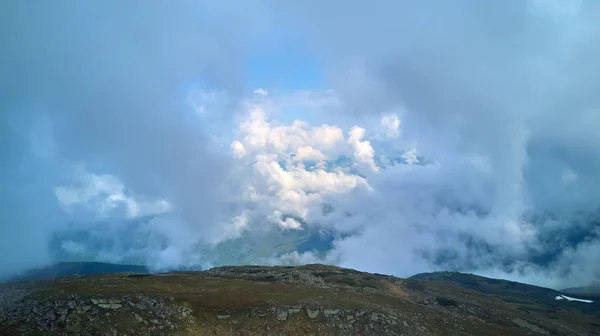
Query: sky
417, 135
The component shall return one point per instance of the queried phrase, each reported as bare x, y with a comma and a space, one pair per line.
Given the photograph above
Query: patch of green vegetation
325, 274
139, 275
415, 285
354, 282
446, 302
347, 281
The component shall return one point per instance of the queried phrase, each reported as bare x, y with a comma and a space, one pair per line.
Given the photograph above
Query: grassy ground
252, 300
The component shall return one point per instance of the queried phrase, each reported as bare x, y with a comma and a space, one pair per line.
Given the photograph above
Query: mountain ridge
287, 300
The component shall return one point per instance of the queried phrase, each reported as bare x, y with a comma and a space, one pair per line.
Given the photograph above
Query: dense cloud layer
458, 135
102, 85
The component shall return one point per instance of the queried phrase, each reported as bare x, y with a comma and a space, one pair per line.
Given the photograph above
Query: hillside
303, 300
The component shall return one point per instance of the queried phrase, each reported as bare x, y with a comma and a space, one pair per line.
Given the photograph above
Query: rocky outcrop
67, 315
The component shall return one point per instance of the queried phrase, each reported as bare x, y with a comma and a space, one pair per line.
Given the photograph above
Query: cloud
391, 125
363, 152
451, 136
500, 110
288, 169
105, 196
104, 85
261, 92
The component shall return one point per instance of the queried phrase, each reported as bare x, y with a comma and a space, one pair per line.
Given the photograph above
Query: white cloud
238, 149
261, 92
278, 178
391, 125
363, 152
309, 153
105, 196
410, 157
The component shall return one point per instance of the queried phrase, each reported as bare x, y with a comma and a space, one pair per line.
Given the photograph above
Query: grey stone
312, 312
405, 324
330, 311
98, 301
50, 315
155, 321
294, 309
223, 316
138, 318
282, 314
110, 305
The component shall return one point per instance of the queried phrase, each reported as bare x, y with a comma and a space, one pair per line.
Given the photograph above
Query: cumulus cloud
288, 169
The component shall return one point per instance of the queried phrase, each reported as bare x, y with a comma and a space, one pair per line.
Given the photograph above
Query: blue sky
286, 68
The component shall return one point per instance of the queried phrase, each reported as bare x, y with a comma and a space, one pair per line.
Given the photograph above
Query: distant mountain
592, 291
76, 268
510, 290
530, 298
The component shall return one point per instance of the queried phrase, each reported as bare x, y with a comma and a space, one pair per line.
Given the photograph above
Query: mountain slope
589, 291
303, 300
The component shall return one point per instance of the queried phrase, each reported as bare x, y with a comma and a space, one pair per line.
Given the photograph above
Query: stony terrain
304, 300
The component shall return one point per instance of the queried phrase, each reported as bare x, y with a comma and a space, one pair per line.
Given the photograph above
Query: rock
282, 314
312, 312
110, 305
71, 304
155, 321
374, 316
405, 324
98, 301
50, 315
330, 311
294, 309
138, 318
223, 316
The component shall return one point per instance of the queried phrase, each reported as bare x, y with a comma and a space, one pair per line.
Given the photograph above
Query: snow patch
568, 298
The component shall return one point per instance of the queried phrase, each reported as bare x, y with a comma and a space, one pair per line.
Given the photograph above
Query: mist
450, 136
